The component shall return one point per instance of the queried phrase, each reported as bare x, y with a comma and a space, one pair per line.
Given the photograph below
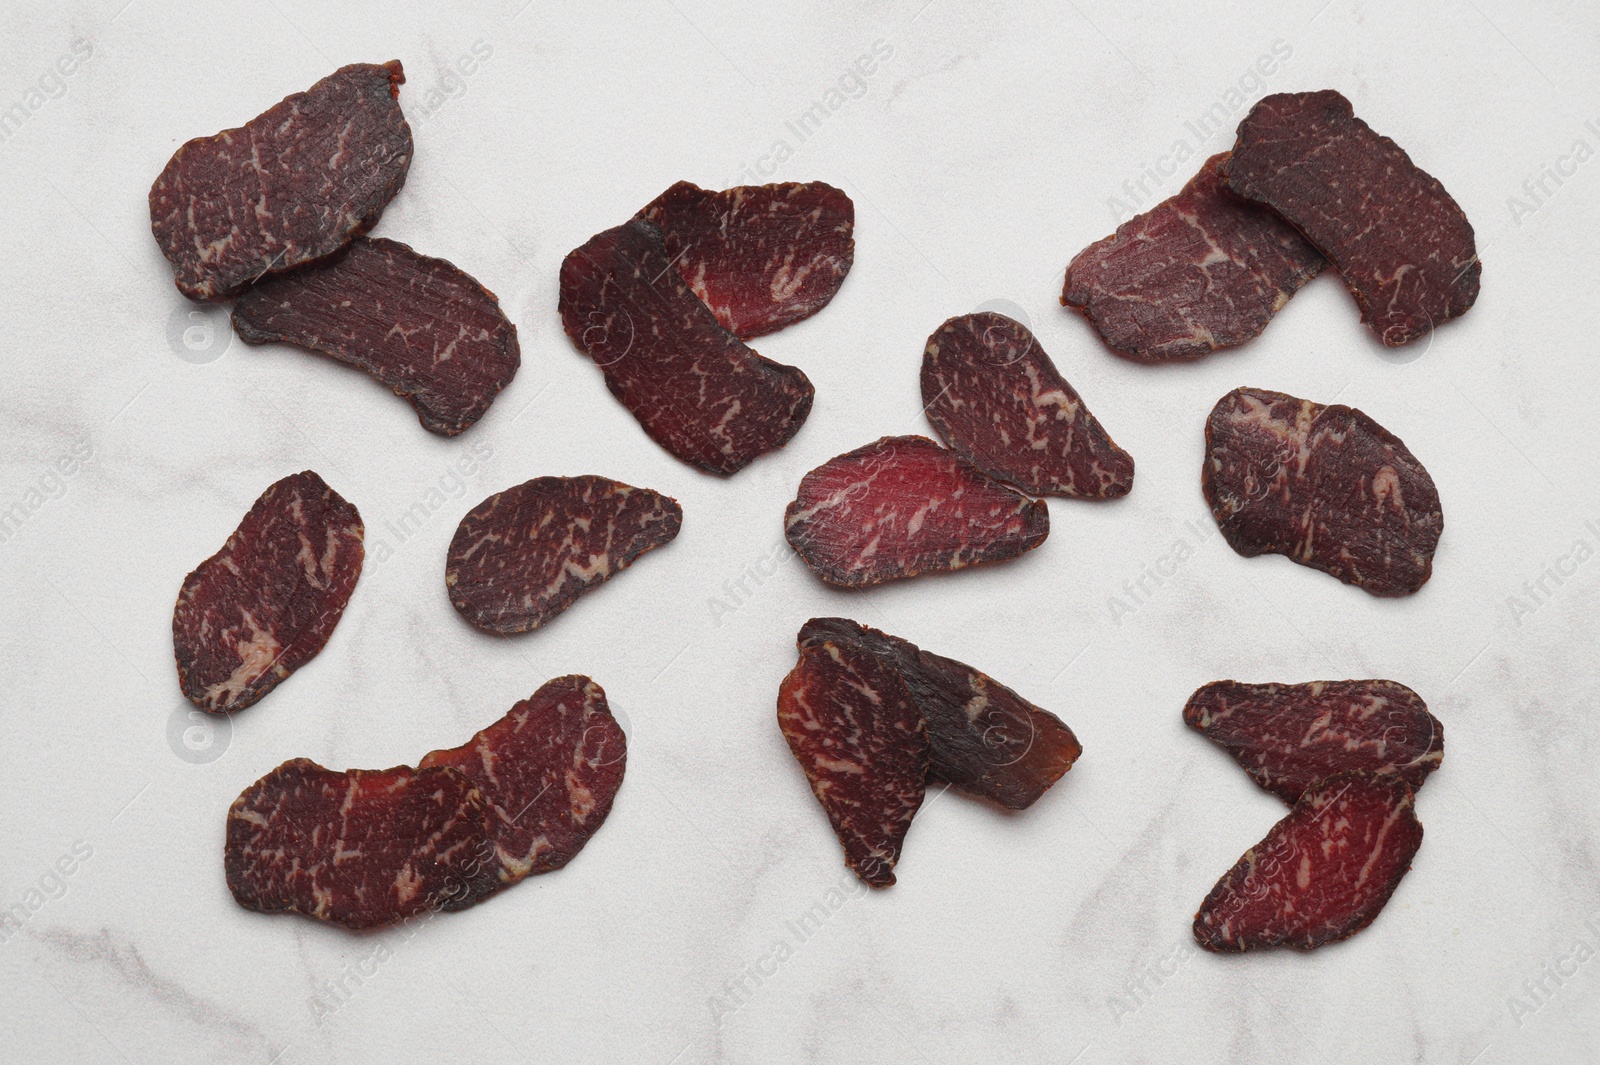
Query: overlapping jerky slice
983, 738
998, 401
1290, 736
419, 325
267, 603
903, 505
524, 555
759, 256
1203, 270
1322, 874
1325, 485
291, 186
1401, 243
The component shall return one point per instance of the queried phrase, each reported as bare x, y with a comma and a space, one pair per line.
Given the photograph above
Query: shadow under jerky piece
1324, 485
1203, 270
267, 603
1401, 243
289, 187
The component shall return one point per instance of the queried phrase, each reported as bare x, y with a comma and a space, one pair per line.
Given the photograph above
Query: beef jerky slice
1323, 872
759, 256
418, 325
1325, 485
904, 506
524, 555
1402, 245
697, 390
983, 738
267, 603
548, 771
863, 744
1290, 736
363, 848
1200, 271
291, 186
997, 400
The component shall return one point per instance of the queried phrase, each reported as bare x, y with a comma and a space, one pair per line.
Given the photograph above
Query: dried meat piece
1402, 244
759, 256
267, 603
1203, 270
291, 186
419, 325
903, 505
998, 401
696, 389
1325, 485
1322, 874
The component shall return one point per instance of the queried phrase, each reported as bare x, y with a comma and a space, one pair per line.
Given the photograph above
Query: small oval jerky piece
697, 390
1402, 244
998, 401
267, 603
1203, 270
759, 256
524, 555
903, 505
291, 186
1323, 872
1325, 485
419, 325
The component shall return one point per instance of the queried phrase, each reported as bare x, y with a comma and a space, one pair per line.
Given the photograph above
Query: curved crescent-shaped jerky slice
1322, 874
1324, 485
903, 505
419, 325
524, 555
998, 401
1289, 736
267, 603
1402, 244
291, 186
697, 390
1203, 270
759, 256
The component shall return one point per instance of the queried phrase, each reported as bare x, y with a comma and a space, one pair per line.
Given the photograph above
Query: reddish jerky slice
903, 506
1323, 872
291, 186
1402, 245
1325, 485
524, 555
419, 325
983, 738
696, 389
1290, 736
363, 848
759, 256
998, 401
1203, 270
267, 603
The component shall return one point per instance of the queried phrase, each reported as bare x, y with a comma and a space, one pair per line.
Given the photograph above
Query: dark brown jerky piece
419, 325
997, 400
696, 389
1323, 872
291, 186
1325, 485
1402, 245
267, 603
983, 738
524, 555
363, 848
759, 256
1197, 272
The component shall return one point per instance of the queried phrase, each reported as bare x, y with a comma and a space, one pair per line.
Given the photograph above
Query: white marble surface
982, 151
